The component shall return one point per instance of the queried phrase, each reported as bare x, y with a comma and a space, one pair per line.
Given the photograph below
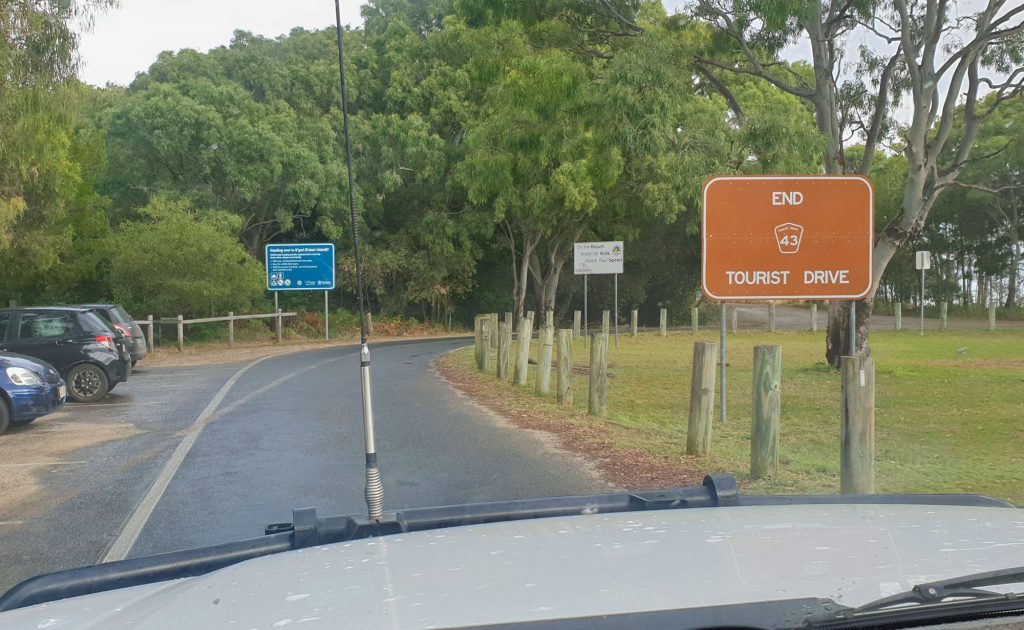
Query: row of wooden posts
943, 310
857, 412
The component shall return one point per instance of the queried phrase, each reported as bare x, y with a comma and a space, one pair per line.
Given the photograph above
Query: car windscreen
120, 315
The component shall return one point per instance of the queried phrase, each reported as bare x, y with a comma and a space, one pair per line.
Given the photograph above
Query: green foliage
175, 260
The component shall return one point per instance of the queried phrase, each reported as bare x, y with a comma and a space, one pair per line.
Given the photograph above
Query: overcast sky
128, 39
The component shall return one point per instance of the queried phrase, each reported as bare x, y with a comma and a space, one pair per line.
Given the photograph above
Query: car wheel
5, 415
87, 383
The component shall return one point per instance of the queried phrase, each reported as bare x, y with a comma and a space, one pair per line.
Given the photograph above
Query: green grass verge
949, 408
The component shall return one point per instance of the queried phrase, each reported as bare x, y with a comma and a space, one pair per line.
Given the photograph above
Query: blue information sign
300, 267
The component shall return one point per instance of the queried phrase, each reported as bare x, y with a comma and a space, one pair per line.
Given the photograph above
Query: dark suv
117, 317
90, 355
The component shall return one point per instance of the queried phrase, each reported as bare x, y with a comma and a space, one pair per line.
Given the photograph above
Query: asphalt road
287, 432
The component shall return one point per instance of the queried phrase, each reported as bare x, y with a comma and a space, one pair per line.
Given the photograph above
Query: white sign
924, 260
597, 258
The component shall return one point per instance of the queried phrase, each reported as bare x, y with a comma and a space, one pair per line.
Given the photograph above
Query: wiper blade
964, 591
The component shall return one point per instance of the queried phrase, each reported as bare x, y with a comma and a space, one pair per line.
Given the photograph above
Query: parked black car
90, 355
119, 318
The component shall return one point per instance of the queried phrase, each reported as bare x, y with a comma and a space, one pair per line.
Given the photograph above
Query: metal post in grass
991, 316
702, 398
663, 322
149, 340
544, 351
857, 426
231, 328
605, 322
771, 317
764, 430
597, 400
493, 329
485, 344
694, 320
943, 310
181, 334
634, 320
897, 313
504, 346
564, 380
522, 352
814, 317
576, 316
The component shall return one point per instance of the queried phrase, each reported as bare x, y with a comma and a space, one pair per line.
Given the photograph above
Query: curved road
286, 433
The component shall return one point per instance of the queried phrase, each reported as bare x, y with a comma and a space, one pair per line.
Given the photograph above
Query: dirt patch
27, 453
583, 437
219, 353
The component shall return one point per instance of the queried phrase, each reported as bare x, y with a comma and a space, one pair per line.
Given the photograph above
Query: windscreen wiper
957, 596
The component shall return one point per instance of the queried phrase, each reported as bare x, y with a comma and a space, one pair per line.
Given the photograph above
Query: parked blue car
29, 388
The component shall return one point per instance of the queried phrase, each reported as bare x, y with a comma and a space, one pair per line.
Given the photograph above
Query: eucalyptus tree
929, 56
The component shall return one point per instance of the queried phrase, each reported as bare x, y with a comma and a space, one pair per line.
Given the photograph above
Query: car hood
570, 567
13, 359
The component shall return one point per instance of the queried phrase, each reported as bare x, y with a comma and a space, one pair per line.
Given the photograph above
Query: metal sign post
722, 367
923, 261
616, 311
327, 320
598, 258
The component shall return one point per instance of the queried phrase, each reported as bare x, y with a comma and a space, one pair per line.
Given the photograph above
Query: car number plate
62, 391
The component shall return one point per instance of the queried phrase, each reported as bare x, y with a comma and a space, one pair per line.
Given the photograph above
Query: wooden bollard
897, 314
634, 320
771, 317
477, 337
991, 316
702, 398
577, 318
181, 335
149, 339
529, 316
606, 320
522, 352
694, 320
943, 310
549, 318
597, 401
504, 346
485, 344
369, 324
663, 322
814, 317
734, 319
508, 319
564, 381
764, 430
544, 351
231, 328
857, 426
492, 328
279, 326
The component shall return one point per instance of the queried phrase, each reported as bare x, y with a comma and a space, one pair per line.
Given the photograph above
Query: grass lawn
949, 409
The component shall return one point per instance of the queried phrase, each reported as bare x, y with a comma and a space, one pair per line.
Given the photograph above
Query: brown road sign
787, 238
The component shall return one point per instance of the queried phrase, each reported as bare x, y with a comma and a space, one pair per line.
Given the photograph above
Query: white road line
44, 464
11, 522
133, 528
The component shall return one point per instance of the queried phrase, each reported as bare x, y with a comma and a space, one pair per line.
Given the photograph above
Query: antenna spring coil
374, 493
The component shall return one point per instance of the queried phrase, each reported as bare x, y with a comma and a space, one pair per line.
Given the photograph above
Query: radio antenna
374, 488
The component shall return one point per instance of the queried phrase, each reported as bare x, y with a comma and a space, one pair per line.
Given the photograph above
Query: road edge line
122, 546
